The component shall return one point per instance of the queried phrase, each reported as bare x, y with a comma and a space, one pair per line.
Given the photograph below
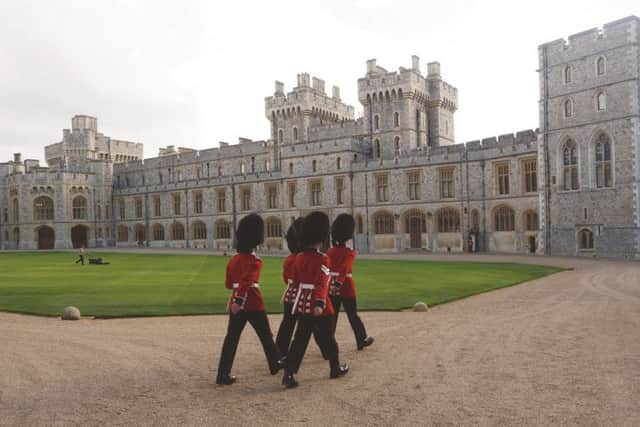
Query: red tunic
243, 275
312, 277
342, 259
288, 275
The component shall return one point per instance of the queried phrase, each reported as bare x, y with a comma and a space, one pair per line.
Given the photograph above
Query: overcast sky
192, 73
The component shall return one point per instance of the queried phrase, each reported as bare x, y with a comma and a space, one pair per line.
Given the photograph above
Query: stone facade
396, 168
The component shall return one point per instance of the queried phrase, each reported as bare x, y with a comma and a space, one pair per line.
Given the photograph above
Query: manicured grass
152, 284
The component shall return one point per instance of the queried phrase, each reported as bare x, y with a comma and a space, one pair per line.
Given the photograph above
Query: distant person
80, 255
343, 289
312, 303
246, 303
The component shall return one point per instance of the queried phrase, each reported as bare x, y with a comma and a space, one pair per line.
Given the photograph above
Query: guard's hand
317, 311
235, 308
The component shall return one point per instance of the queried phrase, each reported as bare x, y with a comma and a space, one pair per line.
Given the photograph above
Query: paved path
563, 350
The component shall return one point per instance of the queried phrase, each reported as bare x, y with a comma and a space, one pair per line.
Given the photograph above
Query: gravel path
563, 350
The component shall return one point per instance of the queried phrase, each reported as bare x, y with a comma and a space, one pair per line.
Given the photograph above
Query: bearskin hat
293, 236
342, 228
250, 233
315, 229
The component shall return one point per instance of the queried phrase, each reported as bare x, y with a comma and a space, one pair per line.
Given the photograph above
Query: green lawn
152, 284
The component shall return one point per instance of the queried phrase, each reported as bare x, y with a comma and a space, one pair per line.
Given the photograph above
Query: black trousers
351, 308
260, 323
80, 259
285, 332
323, 327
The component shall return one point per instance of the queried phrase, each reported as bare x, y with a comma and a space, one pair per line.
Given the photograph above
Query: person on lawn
312, 303
246, 303
80, 255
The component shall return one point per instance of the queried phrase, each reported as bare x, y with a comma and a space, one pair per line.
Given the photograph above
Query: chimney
279, 88
303, 80
371, 66
17, 157
415, 63
318, 84
433, 69
335, 91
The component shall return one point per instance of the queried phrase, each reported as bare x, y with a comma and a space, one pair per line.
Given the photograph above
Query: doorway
532, 244
79, 236
46, 237
415, 232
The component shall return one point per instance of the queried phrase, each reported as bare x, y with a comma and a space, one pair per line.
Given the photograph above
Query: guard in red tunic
312, 303
342, 290
246, 304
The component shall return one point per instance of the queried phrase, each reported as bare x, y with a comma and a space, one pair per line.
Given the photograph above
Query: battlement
613, 34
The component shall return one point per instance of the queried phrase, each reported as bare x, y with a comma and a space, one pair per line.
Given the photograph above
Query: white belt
333, 273
237, 285
289, 283
301, 286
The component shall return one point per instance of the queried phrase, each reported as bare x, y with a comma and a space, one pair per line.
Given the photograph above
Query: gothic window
396, 120
475, 220
79, 206
123, 233
585, 239
603, 161
396, 146
222, 201
447, 184
295, 134
567, 74
601, 102
197, 202
223, 230
157, 207
274, 227
448, 220
177, 231
199, 230
242, 167
177, 207
15, 211
383, 223
280, 136
530, 175
272, 197
314, 166
138, 207
568, 108
138, 233
376, 149
413, 179
316, 193
502, 173
531, 221
121, 209
253, 164
570, 165
158, 232
359, 225
339, 163
267, 165
382, 186
600, 66
246, 200
290, 168
107, 211
413, 215
292, 194
376, 122
339, 191
98, 212
504, 219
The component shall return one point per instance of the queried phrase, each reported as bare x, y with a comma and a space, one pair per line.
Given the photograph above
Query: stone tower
590, 141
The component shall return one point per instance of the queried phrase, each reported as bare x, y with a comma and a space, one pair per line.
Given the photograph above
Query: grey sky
194, 73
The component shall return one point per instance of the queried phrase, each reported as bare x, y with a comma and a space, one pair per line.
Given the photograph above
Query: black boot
341, 371
280, 364
225, 379
289, 381
366, 343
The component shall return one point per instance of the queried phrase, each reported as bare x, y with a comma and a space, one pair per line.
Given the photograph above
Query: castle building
570, 187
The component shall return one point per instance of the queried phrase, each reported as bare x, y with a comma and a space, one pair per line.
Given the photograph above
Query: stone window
222, 201
414, 215
530, 175
447, 183
138, 233
267, 165
272, 197
199, 230
107, 211
504, 219
570, 166
314, 166
219, 170
177, 231
158, 232
568, 108
396, 119
253, 165
242, 167
16, 236
123, 233
177, 206
274, 227
160, 179
383, 223
376, 149
316, 193
79, 206
448, 220
601, 101
396, 146
122, 209
376, 122
6, 216
600, 66
531, 221
295, 134
567, 74
359, 224
246, 199
382, 188
138, 204
157, 206
339, 163
475, 220
280, 136
197, 202
413, 179
339, 191
223, 229
502, 174
585, 239
292, 194
15, 207
603, 161
98, 212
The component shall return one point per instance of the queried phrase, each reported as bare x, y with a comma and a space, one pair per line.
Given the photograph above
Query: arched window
448, 220
601, 102
314, 166
570, 165
339, 163
123, 233
504, 219
603, 161
295, 134
15, 207
414, 217
475, 220
568, 108
43, 208
383, 223
376, 149
219, 170
600, 66
359, 224
567, 74
376, 122
396, 145
242, 167
274, 227
223, 229
177, 231
253, 164
199, 230
396, 119
290, 168
79, 208
530, 220
158, 232
585, 239
138, 233
280, 136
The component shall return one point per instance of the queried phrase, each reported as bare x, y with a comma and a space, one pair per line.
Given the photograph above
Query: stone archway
46, 237
79, 236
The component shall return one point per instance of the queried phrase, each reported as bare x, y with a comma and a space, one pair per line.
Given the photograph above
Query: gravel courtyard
561, 350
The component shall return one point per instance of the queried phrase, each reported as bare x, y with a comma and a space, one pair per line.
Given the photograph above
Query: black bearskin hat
250, 233
293, 236
315, 229
342, 229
